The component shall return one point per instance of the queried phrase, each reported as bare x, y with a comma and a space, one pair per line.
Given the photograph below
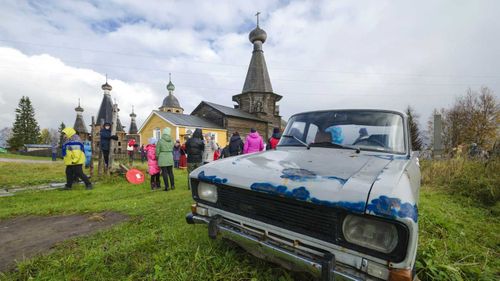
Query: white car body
333, 182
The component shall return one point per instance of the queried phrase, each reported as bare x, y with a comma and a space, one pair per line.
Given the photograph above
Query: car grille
302, 217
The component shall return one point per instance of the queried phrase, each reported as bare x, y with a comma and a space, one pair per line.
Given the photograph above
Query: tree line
473, 118
26, 130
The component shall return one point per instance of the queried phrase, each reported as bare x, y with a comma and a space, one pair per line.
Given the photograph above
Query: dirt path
15, 160
24, 237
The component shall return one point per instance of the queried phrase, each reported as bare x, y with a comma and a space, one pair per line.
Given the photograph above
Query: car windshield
364, 129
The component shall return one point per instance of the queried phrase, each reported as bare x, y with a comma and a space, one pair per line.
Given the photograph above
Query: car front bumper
323, 268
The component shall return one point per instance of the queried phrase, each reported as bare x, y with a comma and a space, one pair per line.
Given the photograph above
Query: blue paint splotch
389, 157
393, 208
302, 194
356, 207
341, 180
303, 175
211, 179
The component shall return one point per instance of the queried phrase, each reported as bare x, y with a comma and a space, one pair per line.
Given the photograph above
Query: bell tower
257, 96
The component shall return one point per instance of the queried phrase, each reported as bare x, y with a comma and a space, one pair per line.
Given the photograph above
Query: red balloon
135, 176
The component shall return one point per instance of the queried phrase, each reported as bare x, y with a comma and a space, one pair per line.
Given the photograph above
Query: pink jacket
153, 167
253, 143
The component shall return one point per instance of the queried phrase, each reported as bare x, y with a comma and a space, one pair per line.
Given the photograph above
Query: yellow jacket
72, 150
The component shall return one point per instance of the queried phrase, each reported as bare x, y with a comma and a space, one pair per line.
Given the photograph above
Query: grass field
26, 157
458, 238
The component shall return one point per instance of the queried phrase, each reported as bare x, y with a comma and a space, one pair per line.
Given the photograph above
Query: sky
320, 54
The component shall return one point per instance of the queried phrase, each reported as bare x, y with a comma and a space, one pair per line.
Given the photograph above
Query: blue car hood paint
326, 176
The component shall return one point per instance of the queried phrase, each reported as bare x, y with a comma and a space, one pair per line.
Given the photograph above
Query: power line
367, 84
239, 65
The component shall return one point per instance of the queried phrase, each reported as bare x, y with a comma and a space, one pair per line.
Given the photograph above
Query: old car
338, 197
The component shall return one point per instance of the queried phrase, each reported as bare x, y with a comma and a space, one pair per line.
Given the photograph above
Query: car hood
324, 176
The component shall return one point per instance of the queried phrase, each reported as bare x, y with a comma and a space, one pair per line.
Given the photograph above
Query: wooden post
92, 148
100, 165
114, 117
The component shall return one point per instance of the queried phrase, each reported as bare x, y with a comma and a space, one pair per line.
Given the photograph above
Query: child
74, 158
177, 153
153, 168
87, 146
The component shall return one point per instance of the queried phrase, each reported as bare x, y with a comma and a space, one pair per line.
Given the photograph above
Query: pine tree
416, 139
61, 128
25, 129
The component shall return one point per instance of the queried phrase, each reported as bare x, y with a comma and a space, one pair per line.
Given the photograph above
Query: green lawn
26, 174
458, 239
26, 157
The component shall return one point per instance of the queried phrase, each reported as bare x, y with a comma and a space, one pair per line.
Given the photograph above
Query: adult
105, 143
235, 145
210, 148
194, 149
275, 139
165, 158
253, 142
177, 153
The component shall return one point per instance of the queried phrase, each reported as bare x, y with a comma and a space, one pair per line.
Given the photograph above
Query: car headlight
207, 192
373, 234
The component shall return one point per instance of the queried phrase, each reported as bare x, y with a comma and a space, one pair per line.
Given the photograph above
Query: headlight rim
393, 229
399, 253
201, 184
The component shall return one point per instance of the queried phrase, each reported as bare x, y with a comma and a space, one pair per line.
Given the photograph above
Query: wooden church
256, 106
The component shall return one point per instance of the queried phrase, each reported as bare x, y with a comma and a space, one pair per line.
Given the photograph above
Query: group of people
162, 155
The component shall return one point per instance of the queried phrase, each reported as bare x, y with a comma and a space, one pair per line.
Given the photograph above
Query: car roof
354, 109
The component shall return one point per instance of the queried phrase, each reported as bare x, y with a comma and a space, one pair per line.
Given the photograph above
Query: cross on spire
257, 15
169, 77
106, 78
78, 102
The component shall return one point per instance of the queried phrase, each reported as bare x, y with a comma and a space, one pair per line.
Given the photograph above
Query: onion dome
170, 86
170, 101
257, 34
79, 108
106, 86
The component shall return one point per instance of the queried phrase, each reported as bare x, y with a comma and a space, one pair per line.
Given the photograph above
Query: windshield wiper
297, 139
336, 145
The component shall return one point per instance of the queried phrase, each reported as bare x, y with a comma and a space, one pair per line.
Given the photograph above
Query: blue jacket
88, 152
105, 139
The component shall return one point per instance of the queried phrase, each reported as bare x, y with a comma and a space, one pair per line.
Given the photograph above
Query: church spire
257, 79
133, 126
79, 125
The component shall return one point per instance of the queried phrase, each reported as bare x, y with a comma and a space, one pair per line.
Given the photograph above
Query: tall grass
471, 178
459, 220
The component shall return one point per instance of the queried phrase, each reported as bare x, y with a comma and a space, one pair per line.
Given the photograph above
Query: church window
157, 133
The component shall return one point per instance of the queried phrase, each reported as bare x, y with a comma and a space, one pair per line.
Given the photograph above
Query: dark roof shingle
187, 120
229, 111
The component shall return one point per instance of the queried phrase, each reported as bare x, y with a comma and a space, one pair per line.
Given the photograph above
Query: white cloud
55, 88
320, 54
